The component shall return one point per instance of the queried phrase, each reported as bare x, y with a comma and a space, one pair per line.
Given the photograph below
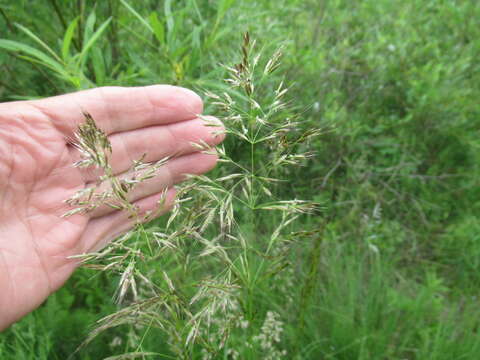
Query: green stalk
59, 14
81, 12
113, 33
7, 20
310, 281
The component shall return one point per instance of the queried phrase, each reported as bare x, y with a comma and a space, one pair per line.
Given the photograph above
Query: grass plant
204, 234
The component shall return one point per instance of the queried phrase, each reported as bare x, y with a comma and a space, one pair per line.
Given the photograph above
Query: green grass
391, 268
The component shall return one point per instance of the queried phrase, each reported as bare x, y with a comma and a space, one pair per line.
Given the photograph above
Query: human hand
37, 176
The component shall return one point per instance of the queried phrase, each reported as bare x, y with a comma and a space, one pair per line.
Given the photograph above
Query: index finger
118, 109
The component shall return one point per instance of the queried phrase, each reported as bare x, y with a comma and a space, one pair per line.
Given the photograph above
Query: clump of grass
226, 237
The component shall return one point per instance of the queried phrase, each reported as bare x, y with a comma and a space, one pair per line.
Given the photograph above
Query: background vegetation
391, 268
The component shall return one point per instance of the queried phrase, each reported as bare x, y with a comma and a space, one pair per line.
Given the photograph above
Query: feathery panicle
224, 235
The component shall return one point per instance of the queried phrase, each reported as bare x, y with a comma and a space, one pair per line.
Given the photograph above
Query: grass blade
137, 15
169, 16
94, 38
157, 28
41, 57
67, 39
39, 41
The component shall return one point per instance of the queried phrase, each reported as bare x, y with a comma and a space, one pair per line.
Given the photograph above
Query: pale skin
36, 176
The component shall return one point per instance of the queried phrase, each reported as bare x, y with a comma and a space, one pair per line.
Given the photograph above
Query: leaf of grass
67, 39
39, 41
157, 27
169, 16
89, 26
94, 37
137, 15
223, 7
197, 11
98, 66
36, 54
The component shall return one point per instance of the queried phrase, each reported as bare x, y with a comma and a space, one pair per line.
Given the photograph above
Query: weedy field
342, 221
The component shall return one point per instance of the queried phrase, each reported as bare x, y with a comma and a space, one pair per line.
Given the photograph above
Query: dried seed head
92, 143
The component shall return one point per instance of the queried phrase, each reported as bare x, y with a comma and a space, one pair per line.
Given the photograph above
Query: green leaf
193, 3
137, 15
39, 41
157, 27
94, 38
98, 66
36, 54
89, 27
67, 39
223, 7
169, 16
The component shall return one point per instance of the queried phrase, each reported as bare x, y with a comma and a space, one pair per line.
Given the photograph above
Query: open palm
37, 176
